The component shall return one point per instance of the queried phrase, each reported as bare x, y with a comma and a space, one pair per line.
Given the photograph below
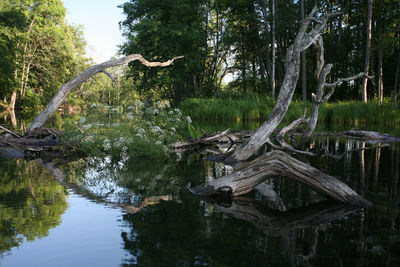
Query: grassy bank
257, 108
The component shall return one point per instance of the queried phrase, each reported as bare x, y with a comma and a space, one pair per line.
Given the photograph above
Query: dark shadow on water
278, 223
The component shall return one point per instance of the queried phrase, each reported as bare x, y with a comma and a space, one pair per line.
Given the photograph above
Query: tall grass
256, 107
252, 107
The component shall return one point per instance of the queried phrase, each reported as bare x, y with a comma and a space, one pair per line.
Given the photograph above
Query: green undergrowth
139, 133
256, 108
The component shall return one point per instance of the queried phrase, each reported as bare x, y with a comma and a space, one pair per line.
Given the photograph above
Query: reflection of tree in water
31, 203
172, 234
128, 183
243, 233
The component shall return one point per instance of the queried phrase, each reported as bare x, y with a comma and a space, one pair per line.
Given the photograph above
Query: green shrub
142, 135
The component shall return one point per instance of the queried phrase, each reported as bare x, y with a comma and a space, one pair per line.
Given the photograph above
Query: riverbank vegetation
142, 132
258, 107
232, 50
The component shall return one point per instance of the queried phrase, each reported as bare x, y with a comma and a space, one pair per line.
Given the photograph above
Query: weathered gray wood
62, 93
10, 132
302, 41
278, 163
29, 144
321, 96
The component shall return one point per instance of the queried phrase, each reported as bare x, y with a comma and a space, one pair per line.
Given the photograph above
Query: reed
256, 108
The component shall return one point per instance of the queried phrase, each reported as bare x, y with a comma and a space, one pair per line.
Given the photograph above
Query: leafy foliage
220, 37
41, 51
143, 133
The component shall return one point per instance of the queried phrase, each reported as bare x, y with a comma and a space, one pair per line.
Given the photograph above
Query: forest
230, 48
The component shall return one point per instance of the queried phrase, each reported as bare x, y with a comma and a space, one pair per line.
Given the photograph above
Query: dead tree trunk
320, 95
62, 93
276, 163
302, 41
279, 163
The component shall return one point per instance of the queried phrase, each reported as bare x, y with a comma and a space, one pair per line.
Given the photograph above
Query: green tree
43, 52
160, 30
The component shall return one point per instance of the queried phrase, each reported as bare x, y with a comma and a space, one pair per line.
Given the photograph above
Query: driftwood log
237, 137
278, 163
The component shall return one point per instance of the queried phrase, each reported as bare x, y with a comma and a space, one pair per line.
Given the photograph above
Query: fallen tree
244, 179
278, 163
38, 138
62, 93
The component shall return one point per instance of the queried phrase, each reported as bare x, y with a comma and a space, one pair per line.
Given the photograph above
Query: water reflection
31, 203
282, 223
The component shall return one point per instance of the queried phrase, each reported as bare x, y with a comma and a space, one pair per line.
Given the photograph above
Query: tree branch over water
62, 93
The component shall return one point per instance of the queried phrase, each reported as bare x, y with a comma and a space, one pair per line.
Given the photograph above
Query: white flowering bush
137, 133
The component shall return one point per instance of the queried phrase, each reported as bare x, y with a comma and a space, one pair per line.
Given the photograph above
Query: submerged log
278, 163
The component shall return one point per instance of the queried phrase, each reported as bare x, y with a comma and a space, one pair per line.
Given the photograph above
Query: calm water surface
90, 212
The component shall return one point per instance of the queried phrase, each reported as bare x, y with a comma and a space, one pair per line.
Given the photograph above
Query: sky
99, 19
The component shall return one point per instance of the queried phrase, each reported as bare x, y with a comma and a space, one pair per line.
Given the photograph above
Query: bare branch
352, 78
319, 45
62, 93
294, 125
289, 148
312, 19
10, 132
109, 75
310, 38
328, 95
280, 137
299, 40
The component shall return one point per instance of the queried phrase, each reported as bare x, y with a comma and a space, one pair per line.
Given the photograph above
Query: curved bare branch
62, 93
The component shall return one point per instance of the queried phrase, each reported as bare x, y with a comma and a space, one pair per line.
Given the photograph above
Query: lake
89, 212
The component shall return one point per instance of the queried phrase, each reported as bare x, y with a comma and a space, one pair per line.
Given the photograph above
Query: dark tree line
221, 38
